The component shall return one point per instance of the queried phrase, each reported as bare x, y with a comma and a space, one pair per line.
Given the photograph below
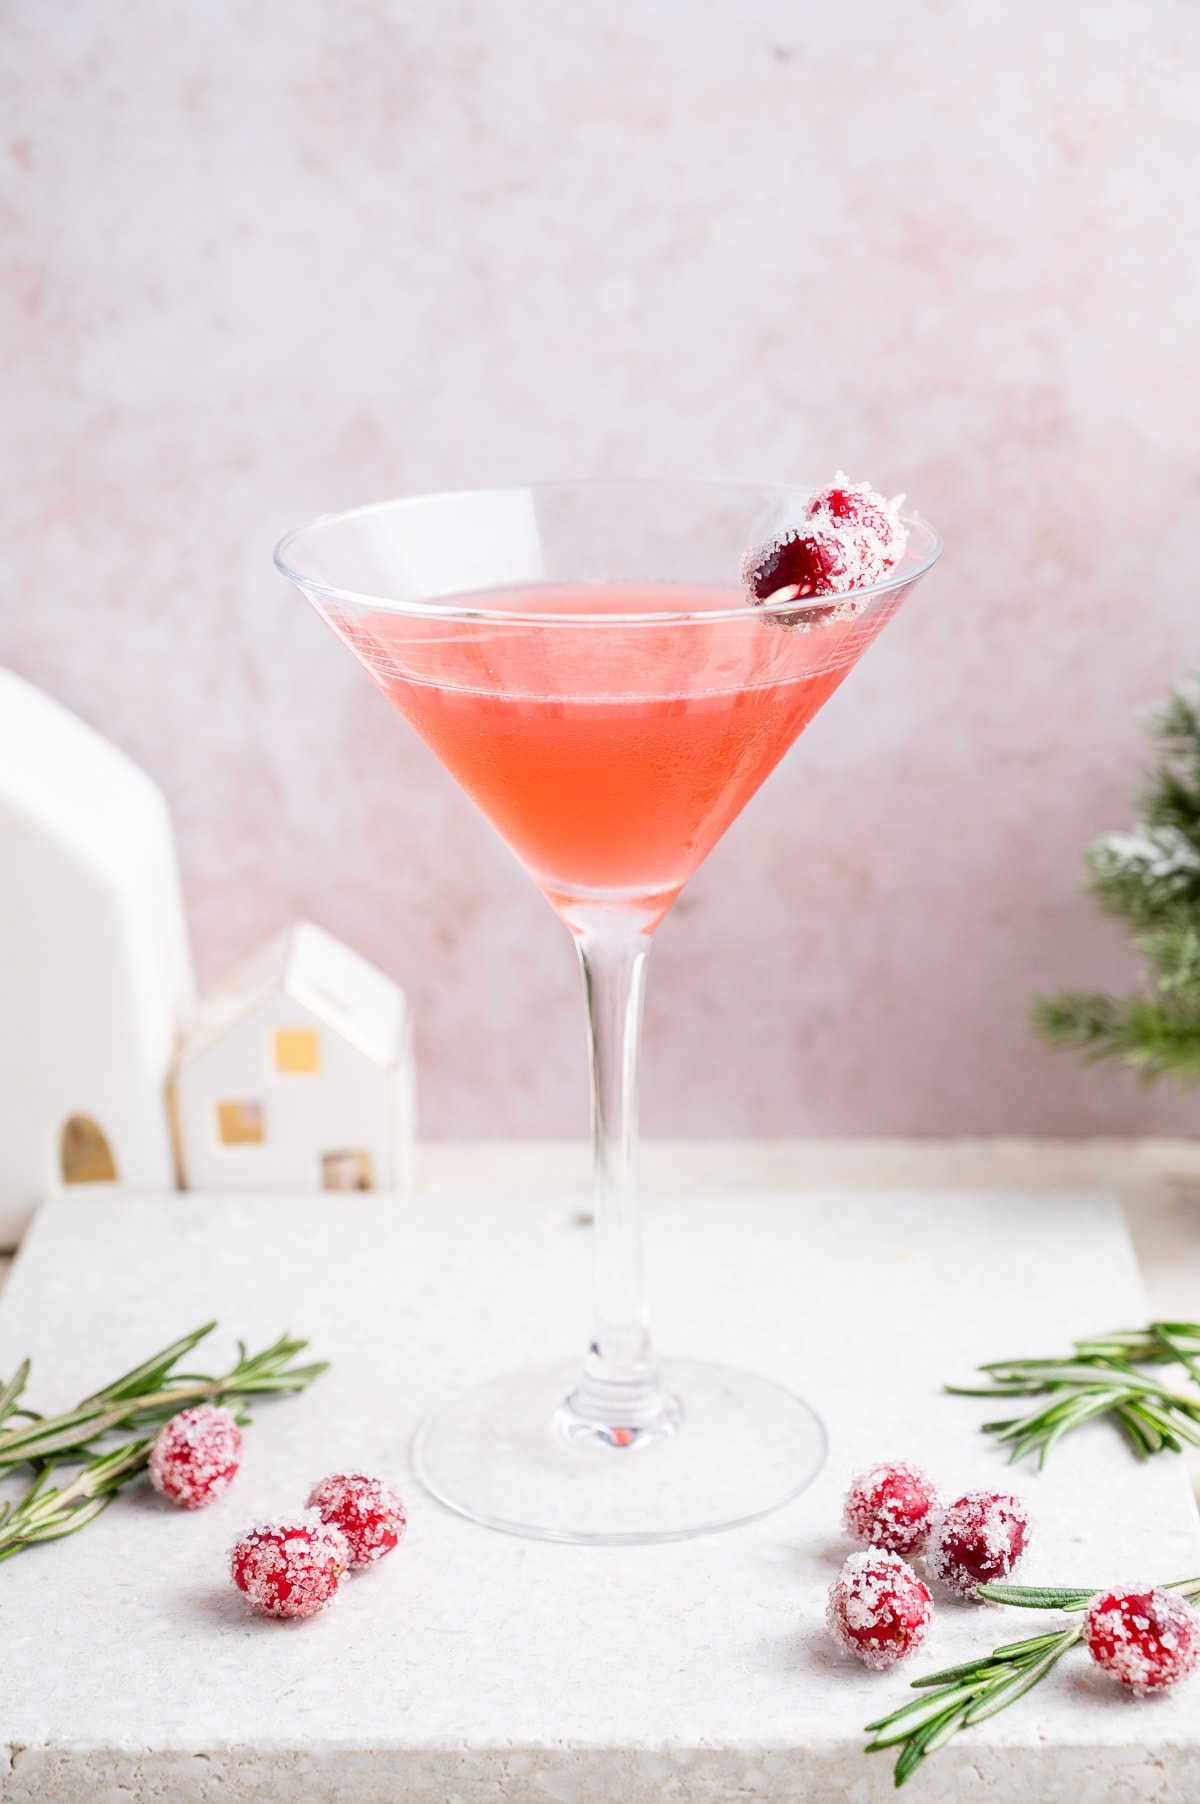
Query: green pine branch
1173, 795
1149, 877
1172, 949
1146, 875
1158, 1038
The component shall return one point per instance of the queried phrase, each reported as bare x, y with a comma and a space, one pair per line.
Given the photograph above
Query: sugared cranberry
804, 562
857, 502
892, 1506
850, 538
368, 1512
1146, 1639
292, 1567
878, 1608
978, 1539
195, 1456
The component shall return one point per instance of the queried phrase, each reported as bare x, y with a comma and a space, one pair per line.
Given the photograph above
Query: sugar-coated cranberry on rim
292, 1566
978, 1539
1147, 1640
195, 1456
859, 502
850, 538
878, 1608
369, 1513
891, 1505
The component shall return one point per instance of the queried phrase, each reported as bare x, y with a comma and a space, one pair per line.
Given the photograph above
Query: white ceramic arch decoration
95, 971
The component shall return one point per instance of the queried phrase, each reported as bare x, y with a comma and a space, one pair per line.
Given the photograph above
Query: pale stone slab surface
1157, 1180
476, 1667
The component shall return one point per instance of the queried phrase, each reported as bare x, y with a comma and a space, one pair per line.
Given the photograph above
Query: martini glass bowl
588, 663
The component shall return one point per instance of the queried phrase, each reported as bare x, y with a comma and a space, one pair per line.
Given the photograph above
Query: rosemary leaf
1038, 1597
13, 1389
1001, 1696
902, 1723
151, 1374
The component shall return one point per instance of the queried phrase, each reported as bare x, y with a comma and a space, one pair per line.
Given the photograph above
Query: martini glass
586, 662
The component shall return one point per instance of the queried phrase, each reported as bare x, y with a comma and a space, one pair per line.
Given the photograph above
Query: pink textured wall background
267, 258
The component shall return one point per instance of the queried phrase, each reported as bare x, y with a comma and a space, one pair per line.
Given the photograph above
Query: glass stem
619, 1394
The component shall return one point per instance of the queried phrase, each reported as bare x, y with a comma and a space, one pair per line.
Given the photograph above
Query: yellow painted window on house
297, 1049
241, 1123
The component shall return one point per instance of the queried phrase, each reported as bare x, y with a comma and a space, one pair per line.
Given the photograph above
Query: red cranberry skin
1145, 1639
195, 1456
807, 562
978, 1540
290, 1568
891, 1505
878, 1608
369, 1513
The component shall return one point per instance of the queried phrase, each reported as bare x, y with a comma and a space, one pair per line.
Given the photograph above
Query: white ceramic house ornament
298, 1074
95, 973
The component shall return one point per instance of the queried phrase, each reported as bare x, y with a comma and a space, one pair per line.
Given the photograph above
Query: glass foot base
505, 1454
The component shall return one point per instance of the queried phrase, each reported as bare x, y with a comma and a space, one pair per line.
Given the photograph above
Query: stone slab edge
956, 1775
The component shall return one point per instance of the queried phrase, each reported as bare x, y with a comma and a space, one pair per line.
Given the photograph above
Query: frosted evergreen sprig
1150, 877
1146, 872
960, 1696
1101, 1378
140, 1400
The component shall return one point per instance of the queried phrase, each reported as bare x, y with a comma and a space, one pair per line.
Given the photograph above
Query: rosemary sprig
44, 1513
1101, 1378
141, 1399
962, 1695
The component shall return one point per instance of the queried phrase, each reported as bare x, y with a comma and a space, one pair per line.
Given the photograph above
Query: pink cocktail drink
610, 671
611, 761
